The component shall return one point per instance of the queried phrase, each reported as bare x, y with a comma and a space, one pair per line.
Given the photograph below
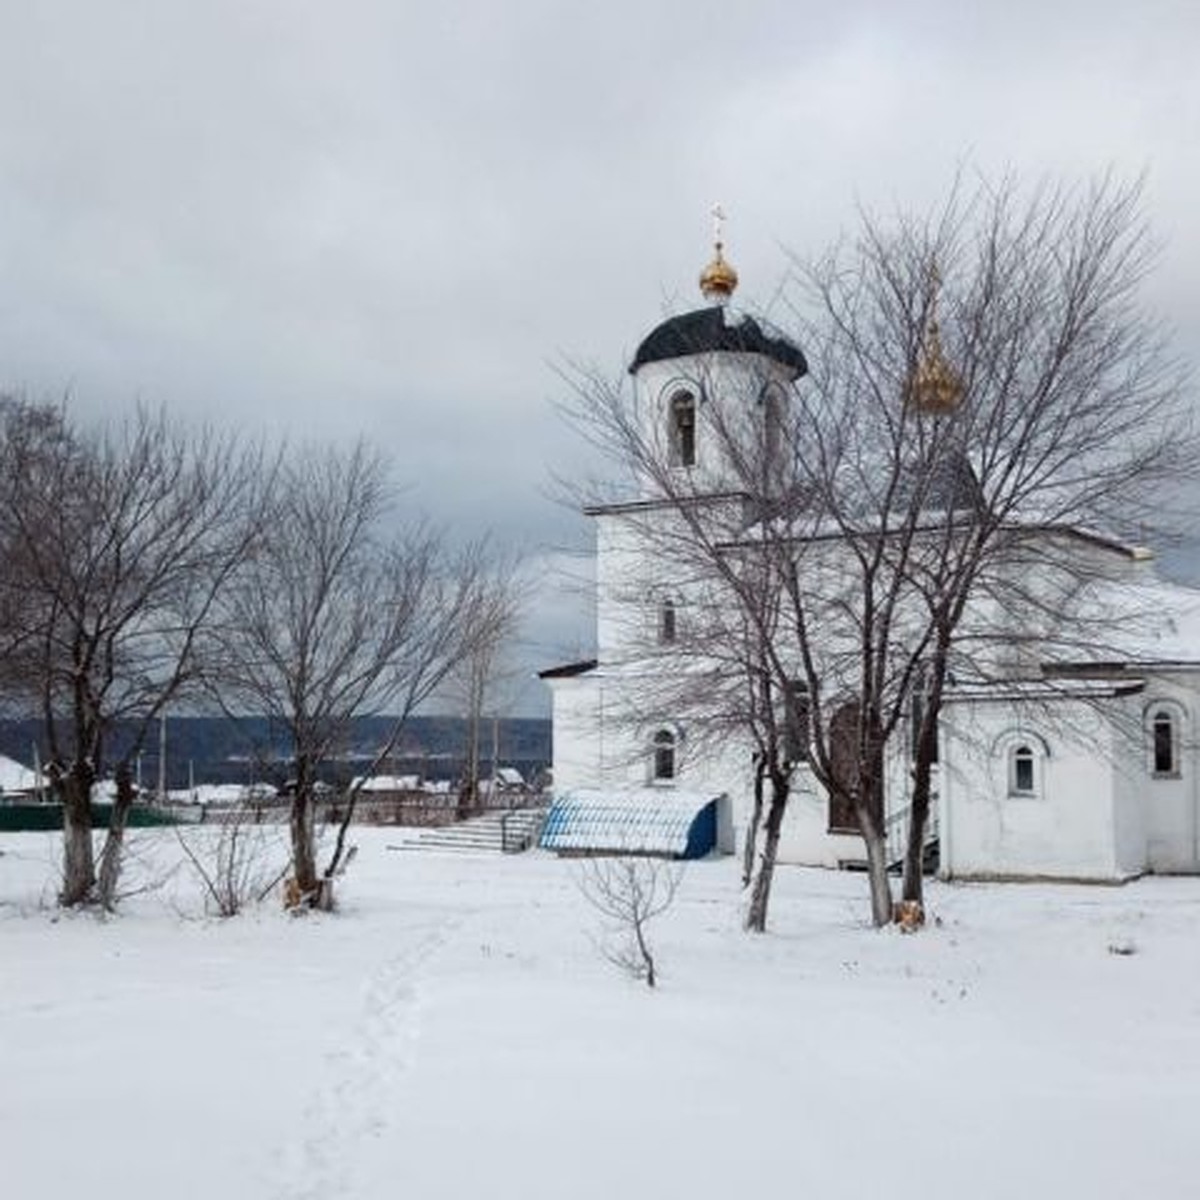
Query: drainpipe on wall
603, 780
945, 770
1192, 763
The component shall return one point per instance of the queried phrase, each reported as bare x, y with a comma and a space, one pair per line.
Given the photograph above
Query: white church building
1064, 769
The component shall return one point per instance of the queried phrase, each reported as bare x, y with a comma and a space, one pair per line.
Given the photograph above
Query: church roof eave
569, 670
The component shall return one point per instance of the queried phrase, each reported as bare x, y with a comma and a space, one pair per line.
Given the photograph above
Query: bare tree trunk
304, 854
760, 770
644, 950
79, 866
756, 914
926, 755
468, 793
877, 869
114, 843
871, 821
303, 857
914, 851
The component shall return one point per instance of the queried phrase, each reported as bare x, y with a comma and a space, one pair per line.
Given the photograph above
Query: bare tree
336, 618
478, 684
630, 892
987, 385
117, 543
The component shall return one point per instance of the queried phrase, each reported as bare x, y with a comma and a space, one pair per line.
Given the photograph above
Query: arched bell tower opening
681, 429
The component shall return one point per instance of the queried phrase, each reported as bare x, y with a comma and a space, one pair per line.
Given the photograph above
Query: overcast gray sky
390, 219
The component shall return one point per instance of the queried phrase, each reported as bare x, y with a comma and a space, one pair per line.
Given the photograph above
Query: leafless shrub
630, 891
237, 863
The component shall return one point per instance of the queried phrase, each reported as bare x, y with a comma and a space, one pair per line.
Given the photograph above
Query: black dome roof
706, 330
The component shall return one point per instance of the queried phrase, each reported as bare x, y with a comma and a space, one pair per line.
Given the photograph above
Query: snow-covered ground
453, 1033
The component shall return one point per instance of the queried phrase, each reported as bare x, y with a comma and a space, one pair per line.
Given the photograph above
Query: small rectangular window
1164, 745
666, 623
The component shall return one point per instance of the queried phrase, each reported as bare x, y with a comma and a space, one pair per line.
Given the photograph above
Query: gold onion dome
935, 386
718, 280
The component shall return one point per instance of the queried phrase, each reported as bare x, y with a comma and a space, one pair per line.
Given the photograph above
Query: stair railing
528, 822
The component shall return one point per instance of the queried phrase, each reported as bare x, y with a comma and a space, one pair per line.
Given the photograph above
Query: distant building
17, 780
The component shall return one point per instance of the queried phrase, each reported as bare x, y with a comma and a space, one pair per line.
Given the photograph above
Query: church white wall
805, 839
1067, 828
576, 721
623, 584
1169, 804
1129, 778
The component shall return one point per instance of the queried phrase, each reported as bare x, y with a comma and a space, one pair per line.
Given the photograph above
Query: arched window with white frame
1165, 722
1024, 755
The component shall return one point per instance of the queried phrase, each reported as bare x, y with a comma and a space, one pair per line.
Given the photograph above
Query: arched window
773, 406
681, 431
663, 767
1165, 725
1023, 755
1022, 770
667, 622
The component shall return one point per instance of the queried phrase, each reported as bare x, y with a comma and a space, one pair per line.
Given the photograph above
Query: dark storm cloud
389, 219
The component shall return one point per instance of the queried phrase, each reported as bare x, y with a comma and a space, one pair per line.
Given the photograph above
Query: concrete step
487, 833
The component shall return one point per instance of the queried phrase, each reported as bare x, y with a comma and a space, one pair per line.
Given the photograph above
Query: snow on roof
14, 777
223, 793
632, 821
1148, 621
387, 783
1059, 688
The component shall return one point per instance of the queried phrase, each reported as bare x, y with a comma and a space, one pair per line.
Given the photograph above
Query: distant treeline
252, 750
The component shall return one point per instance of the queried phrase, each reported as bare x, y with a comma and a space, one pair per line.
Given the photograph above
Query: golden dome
935, 386
718, 280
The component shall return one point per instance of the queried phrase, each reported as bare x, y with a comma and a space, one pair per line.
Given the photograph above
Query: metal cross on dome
718, 216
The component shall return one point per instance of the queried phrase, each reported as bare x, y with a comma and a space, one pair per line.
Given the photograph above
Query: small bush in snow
630, 891
236, 863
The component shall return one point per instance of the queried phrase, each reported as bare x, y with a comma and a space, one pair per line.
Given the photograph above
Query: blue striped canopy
632, 821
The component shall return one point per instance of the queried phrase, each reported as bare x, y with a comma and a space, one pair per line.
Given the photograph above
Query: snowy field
454, 1033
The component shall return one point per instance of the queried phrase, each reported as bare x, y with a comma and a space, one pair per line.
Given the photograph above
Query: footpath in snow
453, 1033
